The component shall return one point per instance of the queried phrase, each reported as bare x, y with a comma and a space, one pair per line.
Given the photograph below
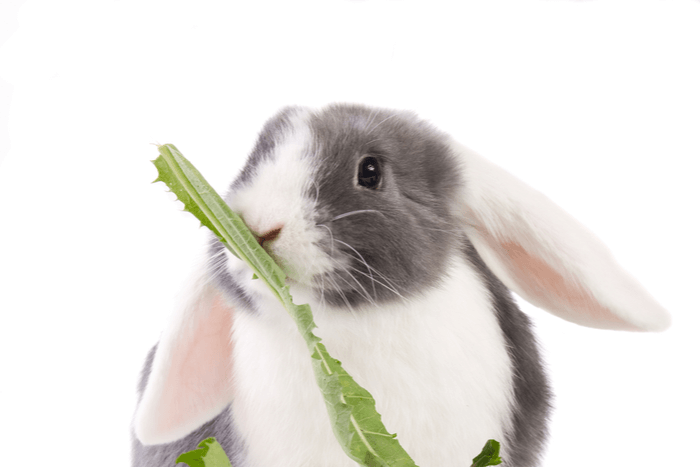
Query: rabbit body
397, 238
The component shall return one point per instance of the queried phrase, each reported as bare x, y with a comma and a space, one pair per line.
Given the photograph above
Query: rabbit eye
369, 173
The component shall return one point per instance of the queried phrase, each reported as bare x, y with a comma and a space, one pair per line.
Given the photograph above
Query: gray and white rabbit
406, 245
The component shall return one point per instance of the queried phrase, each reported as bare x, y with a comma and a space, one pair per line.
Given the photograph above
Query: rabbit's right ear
546, 256
190, 379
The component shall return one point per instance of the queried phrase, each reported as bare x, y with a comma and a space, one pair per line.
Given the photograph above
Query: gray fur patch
533, 395
405, 244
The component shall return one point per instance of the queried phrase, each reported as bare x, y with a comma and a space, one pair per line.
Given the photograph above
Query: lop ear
190, 378
546, 256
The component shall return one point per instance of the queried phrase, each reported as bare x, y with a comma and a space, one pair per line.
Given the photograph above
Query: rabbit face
363, 200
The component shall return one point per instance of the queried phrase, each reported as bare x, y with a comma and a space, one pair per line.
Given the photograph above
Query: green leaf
209, 454
488, 455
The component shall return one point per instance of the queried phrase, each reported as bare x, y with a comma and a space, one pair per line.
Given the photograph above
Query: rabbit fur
407, 246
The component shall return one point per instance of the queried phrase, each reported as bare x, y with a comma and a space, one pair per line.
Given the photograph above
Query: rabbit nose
268, 236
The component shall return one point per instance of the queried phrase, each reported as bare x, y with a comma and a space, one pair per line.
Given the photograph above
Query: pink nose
269, 236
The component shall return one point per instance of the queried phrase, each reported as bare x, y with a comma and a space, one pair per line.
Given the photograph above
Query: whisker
369, 143
217, 262
446, 230
363, 260
373, 114
352, 213
377, 125
331, 234
387, 280
387, 286
323, 290
340, 291
317, 192
389, 283
366, 294
455, 232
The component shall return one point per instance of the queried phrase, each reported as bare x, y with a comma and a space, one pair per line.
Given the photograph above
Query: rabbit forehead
418, 156
288, 131
287, 168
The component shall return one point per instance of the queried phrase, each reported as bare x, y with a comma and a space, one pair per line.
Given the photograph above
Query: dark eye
368, 173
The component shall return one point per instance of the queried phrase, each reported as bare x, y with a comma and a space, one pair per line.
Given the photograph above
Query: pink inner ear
199, 380
544, 286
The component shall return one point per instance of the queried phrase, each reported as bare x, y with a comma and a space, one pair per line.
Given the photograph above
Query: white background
595, 103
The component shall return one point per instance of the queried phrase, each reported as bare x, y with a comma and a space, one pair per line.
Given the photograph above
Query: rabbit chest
436, 364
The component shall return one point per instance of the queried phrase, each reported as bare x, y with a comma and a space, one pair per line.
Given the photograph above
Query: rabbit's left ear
190, 380
546, 256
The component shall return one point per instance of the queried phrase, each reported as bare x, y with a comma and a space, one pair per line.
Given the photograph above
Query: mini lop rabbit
406, 245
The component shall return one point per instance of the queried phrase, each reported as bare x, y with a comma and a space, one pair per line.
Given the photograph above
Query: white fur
437, 367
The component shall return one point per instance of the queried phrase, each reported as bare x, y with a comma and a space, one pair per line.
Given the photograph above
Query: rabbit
407, 246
